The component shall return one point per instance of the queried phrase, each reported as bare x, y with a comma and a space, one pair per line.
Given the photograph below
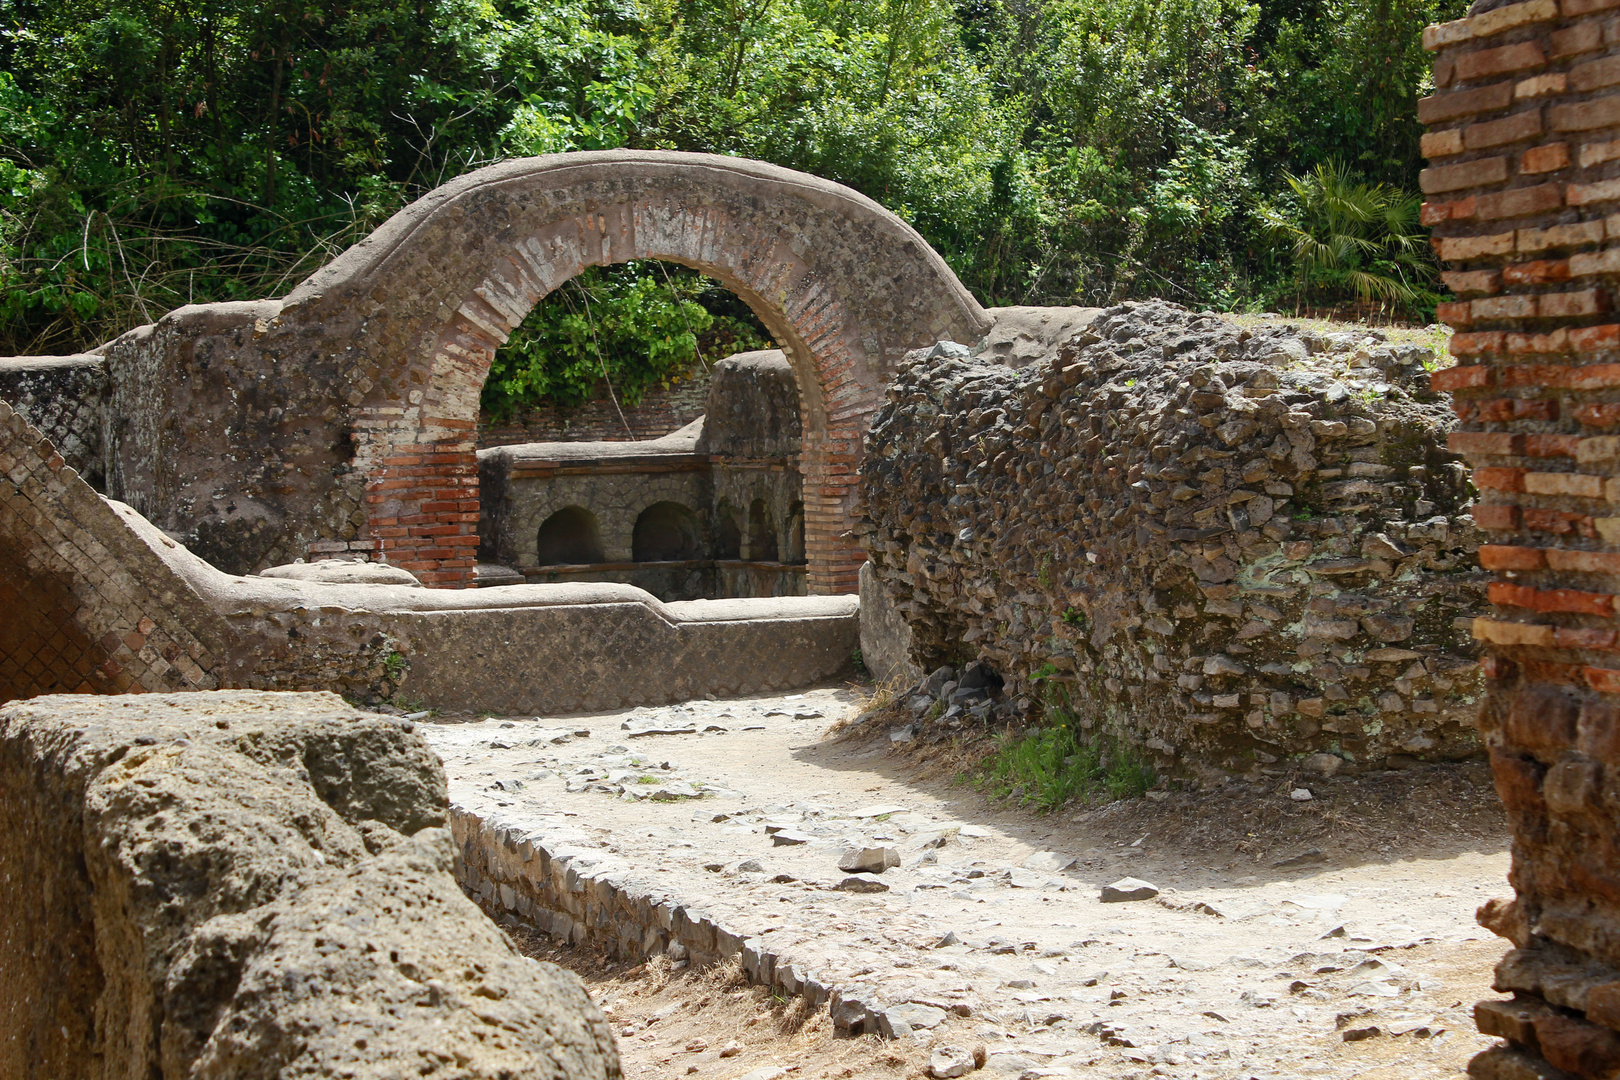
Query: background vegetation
1216, 152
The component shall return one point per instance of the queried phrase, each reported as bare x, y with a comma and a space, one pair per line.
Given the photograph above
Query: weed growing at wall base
1059, 763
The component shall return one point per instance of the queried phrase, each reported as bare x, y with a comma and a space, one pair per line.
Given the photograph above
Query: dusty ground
1281, 925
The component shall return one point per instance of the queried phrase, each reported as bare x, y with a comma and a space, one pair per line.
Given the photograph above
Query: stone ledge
587, 898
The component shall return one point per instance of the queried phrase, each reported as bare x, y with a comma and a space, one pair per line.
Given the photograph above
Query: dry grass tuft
881, 702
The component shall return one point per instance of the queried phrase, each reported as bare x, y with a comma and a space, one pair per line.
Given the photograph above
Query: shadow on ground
1243, 831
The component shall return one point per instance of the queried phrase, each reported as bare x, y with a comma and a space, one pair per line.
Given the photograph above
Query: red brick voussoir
1523, 195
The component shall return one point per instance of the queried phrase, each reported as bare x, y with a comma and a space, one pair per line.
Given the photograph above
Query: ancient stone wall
253, 886
1523, 188
90, 608
64, 397
342, 419
99, 601
544, 880
735, 475
1236, 546
660, 411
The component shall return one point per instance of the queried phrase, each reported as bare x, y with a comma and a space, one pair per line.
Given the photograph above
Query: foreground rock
1127, 889
1234, 545
253, 885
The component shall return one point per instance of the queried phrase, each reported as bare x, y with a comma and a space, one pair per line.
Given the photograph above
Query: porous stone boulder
1232, 544
241, 885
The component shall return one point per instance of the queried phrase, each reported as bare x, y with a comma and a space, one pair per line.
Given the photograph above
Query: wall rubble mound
1523, 186
1233, 545
242, 885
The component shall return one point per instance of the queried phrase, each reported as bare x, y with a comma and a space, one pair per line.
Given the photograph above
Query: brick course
1538, 366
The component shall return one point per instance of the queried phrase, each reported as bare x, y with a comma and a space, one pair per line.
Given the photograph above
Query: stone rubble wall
1523, 188
586, 898
1232, 546
247, 886
98, 600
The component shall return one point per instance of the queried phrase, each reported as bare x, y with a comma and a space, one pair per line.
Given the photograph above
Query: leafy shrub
1347, 237
631, 326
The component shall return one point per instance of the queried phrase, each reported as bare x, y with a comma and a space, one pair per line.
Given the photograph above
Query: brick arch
844, 286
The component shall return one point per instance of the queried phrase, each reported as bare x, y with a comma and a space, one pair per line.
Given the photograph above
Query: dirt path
1280, 925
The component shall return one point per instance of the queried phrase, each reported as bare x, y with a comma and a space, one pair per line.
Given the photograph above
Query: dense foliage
158, 152
622, 329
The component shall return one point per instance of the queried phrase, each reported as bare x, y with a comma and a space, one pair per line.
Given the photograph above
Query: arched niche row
666, 532
570, 536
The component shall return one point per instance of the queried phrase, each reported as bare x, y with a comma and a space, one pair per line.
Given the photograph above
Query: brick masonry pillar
1523, 191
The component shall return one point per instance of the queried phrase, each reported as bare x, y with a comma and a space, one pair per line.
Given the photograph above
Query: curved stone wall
100, 601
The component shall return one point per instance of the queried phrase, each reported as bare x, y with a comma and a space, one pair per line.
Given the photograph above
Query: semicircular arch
845, 286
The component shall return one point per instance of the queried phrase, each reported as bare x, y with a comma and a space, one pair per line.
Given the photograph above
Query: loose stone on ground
995, 918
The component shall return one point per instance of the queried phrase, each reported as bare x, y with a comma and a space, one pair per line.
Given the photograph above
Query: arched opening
570, 536
727, 532
795, 534
619, 353
761, 537
843, 285
666, 532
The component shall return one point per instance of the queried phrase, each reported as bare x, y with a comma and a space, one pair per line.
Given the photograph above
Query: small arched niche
666, 532
795, 534
727, 532
761, 537
570, 536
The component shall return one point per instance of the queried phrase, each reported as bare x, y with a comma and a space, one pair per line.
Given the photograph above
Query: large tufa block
253, 885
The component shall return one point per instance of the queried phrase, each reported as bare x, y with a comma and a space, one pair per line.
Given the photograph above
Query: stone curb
587, 897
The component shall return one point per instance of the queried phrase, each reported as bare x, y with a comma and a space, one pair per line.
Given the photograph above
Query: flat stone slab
1127, 889
877, 811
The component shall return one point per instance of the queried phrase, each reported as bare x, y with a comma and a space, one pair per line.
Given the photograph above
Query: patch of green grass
1057, 764
647, 780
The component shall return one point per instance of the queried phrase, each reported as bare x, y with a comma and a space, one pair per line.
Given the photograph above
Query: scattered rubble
1126, 889
980, 929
